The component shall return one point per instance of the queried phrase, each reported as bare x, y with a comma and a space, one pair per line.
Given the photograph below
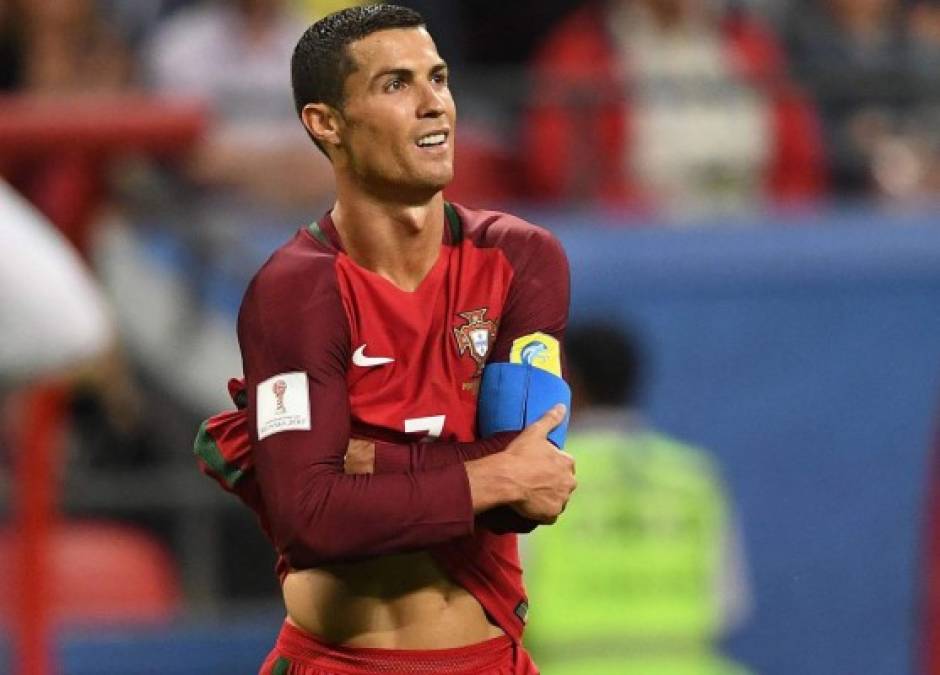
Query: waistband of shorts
301, 647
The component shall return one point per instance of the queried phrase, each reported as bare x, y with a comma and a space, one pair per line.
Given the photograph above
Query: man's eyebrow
403, 73
406, 73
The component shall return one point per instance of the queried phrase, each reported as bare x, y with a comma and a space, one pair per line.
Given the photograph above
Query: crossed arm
317, 512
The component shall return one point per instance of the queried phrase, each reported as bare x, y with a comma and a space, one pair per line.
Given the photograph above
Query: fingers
542, 516
360, 456
543, 426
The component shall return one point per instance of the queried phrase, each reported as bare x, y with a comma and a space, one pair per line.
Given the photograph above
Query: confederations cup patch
283, 403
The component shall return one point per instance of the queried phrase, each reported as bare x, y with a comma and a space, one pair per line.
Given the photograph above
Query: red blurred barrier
57, 150
97, 572
35, 514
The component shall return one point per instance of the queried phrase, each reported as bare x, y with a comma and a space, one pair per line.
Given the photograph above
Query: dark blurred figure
490, 32
923, 22
60, 47
924, 26
872, 66
10, 51
645, 572
676, 105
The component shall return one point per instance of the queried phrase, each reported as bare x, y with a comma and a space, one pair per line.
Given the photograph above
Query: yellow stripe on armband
539, 350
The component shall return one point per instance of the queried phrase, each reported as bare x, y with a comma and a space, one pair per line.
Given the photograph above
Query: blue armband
514, 395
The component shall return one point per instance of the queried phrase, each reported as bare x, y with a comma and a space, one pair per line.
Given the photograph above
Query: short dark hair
608, 361
321, 62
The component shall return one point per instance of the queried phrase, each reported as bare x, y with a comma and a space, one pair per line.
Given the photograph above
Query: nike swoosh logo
359, 358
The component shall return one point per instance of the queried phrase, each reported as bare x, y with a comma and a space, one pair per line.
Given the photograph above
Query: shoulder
292, 316
518, 239
302, 270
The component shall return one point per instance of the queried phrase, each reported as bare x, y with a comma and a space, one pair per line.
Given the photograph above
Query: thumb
542, 426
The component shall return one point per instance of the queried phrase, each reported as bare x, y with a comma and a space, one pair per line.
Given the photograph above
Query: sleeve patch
283, 404
538, 350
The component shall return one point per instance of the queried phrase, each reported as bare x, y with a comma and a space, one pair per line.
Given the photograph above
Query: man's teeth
432, 139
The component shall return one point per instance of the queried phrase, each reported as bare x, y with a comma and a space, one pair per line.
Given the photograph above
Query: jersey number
434, 426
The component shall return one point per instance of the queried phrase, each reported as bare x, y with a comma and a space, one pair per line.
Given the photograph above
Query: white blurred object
702, 133
52, 314
188, 350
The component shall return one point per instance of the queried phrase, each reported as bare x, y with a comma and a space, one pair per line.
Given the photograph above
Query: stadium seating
103, 572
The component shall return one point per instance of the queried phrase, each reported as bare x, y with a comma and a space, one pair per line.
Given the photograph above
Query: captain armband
514, 395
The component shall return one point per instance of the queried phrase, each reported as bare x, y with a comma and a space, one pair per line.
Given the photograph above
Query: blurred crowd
647, 105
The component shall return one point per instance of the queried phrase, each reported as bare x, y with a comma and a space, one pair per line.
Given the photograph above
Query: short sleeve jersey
332, 350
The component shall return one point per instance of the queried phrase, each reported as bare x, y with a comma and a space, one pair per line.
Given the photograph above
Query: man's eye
395, 85
439, 78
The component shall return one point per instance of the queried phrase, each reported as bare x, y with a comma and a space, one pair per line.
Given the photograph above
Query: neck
400, 242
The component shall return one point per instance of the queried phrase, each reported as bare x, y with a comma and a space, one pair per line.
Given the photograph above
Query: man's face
398, 118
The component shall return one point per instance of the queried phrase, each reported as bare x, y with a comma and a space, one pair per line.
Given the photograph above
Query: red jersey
332, 351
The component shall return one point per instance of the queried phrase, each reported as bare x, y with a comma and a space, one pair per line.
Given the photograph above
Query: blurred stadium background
750, 186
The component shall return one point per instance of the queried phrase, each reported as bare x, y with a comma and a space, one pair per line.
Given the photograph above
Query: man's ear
323, 122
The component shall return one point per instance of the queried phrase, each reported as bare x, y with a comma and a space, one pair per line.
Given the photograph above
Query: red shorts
299, 653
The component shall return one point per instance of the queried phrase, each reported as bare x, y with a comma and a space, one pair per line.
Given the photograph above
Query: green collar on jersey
453, 222
450, 213
319, 234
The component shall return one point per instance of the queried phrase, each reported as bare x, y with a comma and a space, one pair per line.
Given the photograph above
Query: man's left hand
360, 456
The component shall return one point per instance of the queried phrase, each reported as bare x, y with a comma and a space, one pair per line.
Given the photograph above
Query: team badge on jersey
538, 350
283, 404
475, 336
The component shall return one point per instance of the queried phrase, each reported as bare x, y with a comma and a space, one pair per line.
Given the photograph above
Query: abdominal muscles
394, 602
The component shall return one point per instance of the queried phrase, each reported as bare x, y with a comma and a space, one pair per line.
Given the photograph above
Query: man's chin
443, 183
434, 183
417, 188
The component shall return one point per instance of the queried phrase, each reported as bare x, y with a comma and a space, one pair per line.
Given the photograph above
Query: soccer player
364, 340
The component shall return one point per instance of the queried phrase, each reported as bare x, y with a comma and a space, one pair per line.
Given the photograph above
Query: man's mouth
432, 140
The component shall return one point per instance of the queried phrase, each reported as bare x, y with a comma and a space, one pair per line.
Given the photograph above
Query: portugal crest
475, 336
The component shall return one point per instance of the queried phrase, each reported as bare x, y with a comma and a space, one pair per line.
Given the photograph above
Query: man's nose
432, 102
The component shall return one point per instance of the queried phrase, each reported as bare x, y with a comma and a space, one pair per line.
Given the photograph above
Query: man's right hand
544, 474
531, 474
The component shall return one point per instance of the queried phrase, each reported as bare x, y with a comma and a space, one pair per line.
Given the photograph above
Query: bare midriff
395, 602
